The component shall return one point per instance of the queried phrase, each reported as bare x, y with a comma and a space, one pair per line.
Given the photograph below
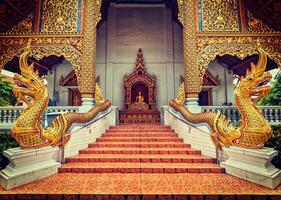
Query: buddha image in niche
139, 98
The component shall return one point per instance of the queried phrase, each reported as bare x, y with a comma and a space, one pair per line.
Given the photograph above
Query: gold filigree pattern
254, 130
92, 17
256, 25
187, 17
222, 16
60, 16
181, 95
240, 46
22, 28
181, 11
69, 47
99, 96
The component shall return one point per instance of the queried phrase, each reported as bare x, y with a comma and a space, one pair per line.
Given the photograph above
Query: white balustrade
9, 114
271, 113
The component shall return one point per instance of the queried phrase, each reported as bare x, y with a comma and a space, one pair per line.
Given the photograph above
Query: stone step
140, 131
130, 139
146, 135
125, 167
143, 158
137, 126
138, 144
152, 151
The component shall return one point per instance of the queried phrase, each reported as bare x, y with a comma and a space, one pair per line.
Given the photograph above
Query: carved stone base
253, 165
28, 165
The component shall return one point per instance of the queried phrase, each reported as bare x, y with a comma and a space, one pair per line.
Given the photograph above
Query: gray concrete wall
128, 28
226, 77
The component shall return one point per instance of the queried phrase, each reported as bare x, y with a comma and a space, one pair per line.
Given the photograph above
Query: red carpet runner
140, 149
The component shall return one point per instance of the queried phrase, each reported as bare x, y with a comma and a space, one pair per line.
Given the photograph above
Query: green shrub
6, 142
7, 96
275, 142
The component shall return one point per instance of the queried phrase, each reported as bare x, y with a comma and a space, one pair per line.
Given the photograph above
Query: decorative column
187, 17
87, 85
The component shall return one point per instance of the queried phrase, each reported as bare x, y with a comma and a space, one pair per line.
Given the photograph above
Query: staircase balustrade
271, 113
9, 114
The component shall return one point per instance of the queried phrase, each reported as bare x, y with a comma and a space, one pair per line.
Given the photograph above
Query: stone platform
28, 166
253, 165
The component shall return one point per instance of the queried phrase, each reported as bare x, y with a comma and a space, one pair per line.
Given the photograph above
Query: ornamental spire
140, 60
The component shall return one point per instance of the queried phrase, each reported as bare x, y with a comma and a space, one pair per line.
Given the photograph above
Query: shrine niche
139, 95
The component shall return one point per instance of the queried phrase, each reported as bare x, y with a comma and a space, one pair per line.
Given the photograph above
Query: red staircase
140, 149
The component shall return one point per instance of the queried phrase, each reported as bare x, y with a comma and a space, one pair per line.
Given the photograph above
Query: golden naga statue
27, 129
254, 130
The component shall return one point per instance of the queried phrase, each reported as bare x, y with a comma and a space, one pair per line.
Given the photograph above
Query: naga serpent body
27, 129
254, 130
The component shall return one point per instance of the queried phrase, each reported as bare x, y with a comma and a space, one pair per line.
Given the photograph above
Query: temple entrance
139, 99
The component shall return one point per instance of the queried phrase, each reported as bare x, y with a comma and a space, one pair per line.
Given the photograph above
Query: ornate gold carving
187, 17
256, 25
92, 17
254, 130
27, 129
23, 27
181, 95
181, 11
210, 47
60, 16
220, 15
99, 96
69, 47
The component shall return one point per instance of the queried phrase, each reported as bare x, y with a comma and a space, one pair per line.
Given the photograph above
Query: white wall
218, 93
62, 69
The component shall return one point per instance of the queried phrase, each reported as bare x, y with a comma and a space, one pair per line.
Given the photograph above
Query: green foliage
7, 96
274, 96
6, 141
275, 142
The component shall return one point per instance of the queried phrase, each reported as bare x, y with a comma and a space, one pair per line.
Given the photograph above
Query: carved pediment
71, 79
208, 79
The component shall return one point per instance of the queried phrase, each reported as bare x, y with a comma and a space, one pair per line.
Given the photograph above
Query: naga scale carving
254, 130
27, 129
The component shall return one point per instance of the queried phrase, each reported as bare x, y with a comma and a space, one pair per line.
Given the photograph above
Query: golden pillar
187, 16
87, 85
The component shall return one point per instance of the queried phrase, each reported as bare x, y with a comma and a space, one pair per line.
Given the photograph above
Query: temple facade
208, 65
140, 97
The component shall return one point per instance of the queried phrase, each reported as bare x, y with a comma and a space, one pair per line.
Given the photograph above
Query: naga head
28, 78
256, 78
